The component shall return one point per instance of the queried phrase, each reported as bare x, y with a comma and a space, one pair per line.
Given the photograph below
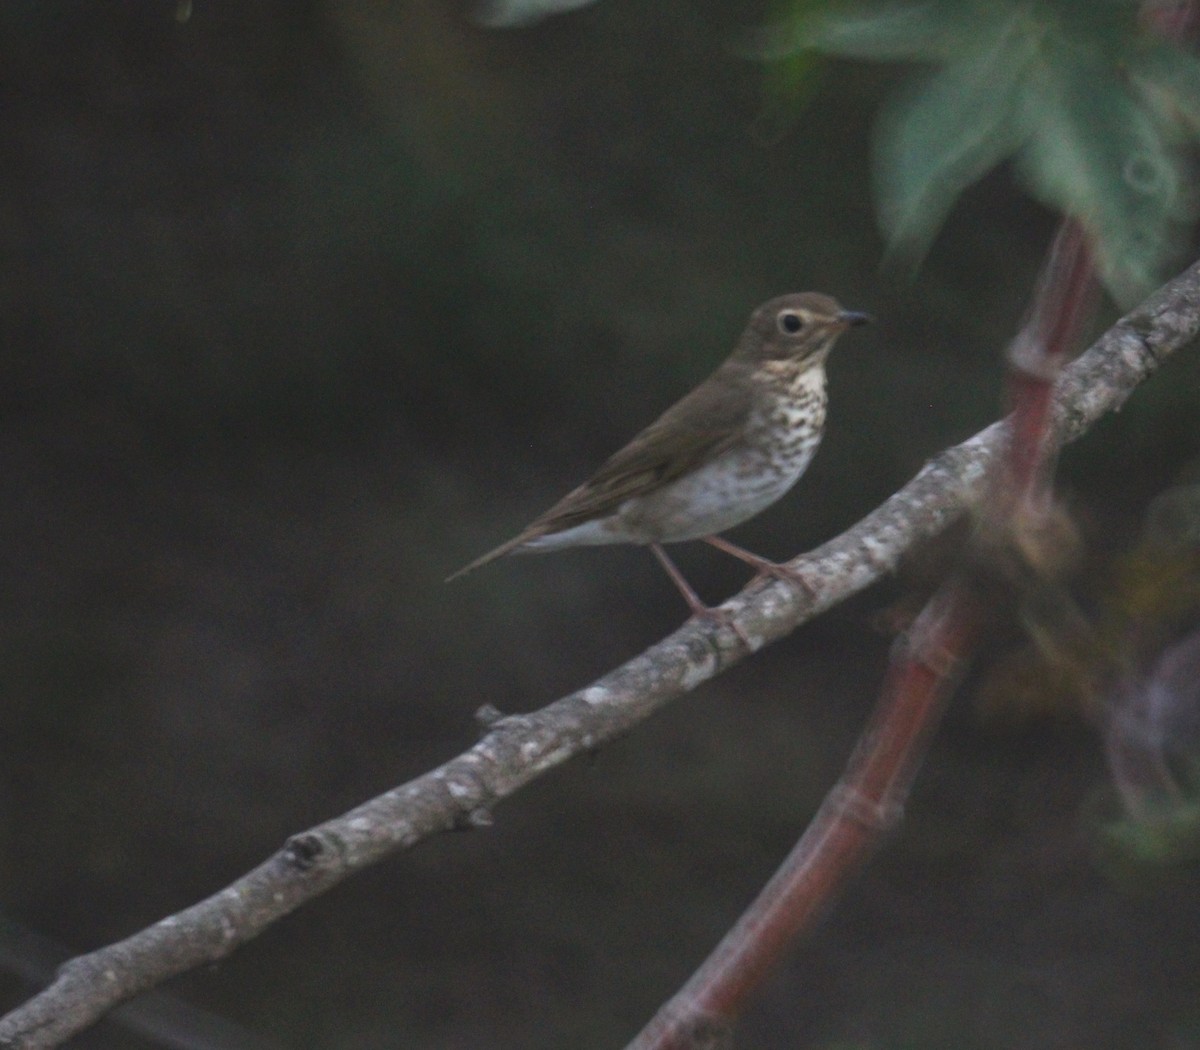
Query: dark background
304, 305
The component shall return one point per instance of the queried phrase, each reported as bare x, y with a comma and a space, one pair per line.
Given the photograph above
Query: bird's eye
790, 322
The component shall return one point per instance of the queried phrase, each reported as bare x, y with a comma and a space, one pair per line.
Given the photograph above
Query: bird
714, 459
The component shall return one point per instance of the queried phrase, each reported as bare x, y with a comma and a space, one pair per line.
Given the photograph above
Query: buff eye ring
790, 322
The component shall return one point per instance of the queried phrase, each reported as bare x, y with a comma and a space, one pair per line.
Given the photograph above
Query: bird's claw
723, 618
782, 572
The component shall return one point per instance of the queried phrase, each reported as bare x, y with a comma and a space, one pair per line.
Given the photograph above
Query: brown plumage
718, 456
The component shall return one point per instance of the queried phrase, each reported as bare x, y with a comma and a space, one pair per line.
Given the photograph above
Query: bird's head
801, 327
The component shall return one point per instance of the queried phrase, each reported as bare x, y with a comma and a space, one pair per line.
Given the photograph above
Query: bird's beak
853, 318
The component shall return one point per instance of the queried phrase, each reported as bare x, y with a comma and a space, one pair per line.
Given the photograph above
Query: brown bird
726, 451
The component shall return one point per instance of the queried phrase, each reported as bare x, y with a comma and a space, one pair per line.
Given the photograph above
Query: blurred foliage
1141, 850
1087, 102
1129, 610
1169, 837
1127, 656
304, 302
504, 13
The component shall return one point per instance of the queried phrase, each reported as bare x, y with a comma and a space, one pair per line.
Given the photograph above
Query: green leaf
893, 32
1097, 154
1169, 79
1092, 108
934, 141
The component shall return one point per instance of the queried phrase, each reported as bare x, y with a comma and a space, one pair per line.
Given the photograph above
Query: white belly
727, 492
714, 498
779, 445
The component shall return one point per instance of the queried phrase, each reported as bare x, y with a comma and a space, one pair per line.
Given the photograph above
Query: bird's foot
700, 611
796, 579
721, 618
762, 566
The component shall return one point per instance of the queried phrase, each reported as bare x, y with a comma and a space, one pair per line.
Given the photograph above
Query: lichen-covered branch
516, 750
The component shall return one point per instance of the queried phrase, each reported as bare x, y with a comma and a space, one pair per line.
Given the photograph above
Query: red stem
1066, 290
847, 829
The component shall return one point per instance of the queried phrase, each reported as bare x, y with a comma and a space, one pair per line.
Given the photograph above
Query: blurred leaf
892, 32
1091, 107
1130, 850
936, 139
503, 14
790, 80
1097, 154
1170, 80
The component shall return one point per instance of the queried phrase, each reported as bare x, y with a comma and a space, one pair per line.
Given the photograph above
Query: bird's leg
698, 607
690, 596
764, 567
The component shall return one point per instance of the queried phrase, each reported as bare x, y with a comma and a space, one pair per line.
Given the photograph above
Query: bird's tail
499, 552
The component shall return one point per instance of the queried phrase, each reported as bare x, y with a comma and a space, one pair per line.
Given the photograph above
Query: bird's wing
701, 426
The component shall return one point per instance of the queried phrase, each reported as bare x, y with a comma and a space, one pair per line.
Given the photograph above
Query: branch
516, 750
869, 799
